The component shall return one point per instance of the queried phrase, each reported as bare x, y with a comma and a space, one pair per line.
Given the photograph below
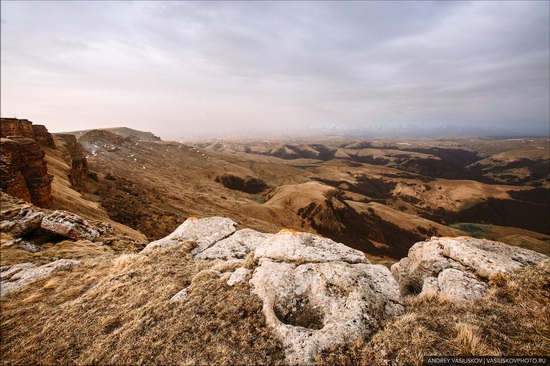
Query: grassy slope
116, 310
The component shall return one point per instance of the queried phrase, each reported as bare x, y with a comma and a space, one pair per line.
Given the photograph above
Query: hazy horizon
190, 69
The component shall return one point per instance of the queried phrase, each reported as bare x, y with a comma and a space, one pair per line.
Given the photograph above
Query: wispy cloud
175, 67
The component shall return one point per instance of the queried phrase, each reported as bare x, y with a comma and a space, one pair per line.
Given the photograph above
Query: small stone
70, 225
241, 275
25, 245
180, 296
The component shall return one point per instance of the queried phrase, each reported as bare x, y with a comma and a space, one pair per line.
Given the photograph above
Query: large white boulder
317, 293
313, 306
458, 267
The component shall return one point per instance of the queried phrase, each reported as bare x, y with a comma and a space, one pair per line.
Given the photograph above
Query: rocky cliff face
23, 171
43, 137
25, 128
76, 158
16, 127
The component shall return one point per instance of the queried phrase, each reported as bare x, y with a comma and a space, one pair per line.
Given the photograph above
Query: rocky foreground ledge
317, 293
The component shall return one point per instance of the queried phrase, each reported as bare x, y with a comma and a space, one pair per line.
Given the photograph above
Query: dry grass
81, 249
117, 311
511, 320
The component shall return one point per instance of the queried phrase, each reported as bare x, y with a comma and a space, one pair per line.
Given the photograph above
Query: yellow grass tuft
468, 341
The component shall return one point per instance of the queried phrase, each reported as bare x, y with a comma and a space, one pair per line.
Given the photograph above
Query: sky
187, 69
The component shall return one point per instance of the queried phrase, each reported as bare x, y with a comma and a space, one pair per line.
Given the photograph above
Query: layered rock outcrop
76, 158
458, 267
25, 128
69, 225
25, 222
16, 127
43, 137
23, 170
316, 293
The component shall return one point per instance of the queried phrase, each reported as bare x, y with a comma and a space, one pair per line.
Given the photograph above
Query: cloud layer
191, 68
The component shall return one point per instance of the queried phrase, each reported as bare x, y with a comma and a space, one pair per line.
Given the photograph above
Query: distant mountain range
414, 131
374, 131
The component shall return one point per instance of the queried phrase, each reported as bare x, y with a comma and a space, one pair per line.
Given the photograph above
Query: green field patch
475, 230
302, 167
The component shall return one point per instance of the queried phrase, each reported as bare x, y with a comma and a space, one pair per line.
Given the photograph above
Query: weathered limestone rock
19, 275
316, 292
290, 246
460, 285
458, 267
237, 246
205, 232
316, 305
25, 245
27, 220
69, 225
486, 257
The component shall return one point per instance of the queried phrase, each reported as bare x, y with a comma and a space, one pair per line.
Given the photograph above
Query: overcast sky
191, 68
